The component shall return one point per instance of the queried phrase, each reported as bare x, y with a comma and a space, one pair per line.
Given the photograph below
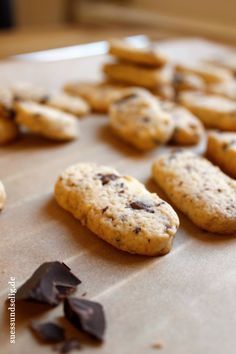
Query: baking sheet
185, 299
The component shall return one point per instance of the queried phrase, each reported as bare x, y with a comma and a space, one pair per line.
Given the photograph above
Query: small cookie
2, 196
136, 75
126, 50
209, 73
98, 95
118, 209
59, 100
214, 111
221, 150
138, 119
188, 129
199, 189
74, 105
225, 89
46, 121
8, 130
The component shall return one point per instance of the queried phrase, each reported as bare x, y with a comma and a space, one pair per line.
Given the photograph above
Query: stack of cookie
132, 65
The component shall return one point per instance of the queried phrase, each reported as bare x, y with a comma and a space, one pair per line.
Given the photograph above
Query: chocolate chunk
49, 284
85, 315
48, 331
106, 178
139, 205
104, 209
137, 229
126, 98
68, 345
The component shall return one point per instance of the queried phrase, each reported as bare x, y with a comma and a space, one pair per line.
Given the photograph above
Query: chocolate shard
48, 331
86, 315
68, 345
49, 284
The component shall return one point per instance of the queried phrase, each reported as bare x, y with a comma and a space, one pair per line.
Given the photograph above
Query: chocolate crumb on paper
49, 284
86, 315
48, 331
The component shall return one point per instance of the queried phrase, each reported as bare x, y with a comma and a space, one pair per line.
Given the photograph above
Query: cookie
98, 95
209, 73
64, 102
136, 75
128, 51
225, 89
46, 121
199, 189
214, 111
221, 150
188, 129
2, 196
117, 208
139, 120
8, 130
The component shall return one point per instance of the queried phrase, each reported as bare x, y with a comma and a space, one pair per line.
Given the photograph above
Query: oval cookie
188, 128
199, 189
214, 111
118, 209
221, 150
209, 73
47, 121
128, 51
138, 119
98, 95
136, 75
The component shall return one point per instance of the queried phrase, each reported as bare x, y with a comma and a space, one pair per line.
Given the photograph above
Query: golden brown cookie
117, 208
221, 150
199, 189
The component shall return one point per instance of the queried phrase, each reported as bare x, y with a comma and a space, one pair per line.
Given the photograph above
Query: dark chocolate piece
48, 331
49, 284
68, 345
86, 315
137, 230
106, 178
139, 205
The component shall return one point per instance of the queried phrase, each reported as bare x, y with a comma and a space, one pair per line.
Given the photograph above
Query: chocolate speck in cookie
139, 205
137, 230
106, 178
